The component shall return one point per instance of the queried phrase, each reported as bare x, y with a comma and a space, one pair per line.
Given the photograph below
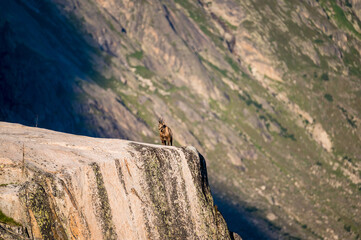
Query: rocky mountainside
269, 91
62, 186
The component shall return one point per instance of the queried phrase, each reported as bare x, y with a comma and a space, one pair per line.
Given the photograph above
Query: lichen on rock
88, 188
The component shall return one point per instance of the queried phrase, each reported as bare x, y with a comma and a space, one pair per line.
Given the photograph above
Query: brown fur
165, 133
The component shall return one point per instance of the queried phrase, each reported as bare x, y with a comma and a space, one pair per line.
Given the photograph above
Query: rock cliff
268, 90
62, 186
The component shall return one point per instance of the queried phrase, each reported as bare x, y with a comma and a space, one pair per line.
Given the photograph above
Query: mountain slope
268, 91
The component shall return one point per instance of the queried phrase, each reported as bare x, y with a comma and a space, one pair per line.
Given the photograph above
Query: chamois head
161, 124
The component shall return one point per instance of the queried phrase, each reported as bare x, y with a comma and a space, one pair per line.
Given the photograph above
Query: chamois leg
171, 141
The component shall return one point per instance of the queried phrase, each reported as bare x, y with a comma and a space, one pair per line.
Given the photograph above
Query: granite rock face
269, 92
61, 186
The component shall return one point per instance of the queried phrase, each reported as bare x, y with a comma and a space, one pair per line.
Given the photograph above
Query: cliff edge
61, 186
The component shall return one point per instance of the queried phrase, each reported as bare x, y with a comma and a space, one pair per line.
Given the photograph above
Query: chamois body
165, 133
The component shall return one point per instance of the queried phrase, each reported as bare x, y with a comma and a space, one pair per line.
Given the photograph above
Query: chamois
165, 133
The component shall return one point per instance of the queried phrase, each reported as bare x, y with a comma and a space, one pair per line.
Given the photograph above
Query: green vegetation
144, 72
111, 26
325, 77
341, 19
214, 105
7, 220
201, 19
348, 4
106, 83
139, 110
352, 61
318, 41
282, 40
232, 63
137, 55
328, 97
229, 25
339, 16
350, 119
216, 39
284, 131
347, 227
250, 25
221, 71
140, 70
248, 100
195, 13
